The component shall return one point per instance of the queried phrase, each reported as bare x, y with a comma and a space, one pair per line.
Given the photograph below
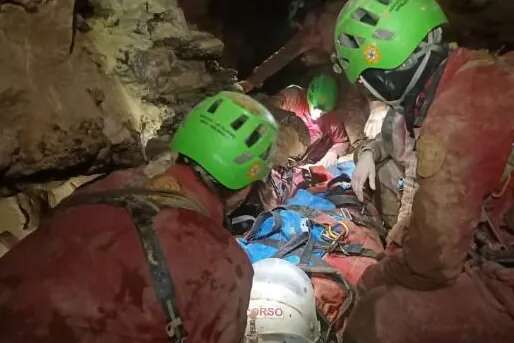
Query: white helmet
282, 305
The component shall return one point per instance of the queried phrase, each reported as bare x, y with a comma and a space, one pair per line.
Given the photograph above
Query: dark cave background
253, 29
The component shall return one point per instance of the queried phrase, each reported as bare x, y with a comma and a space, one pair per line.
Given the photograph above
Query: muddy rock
86, 97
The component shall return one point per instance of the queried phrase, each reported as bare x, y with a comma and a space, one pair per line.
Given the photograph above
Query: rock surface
84, 93
482, 24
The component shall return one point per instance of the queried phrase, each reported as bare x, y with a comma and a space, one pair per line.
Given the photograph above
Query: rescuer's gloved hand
365, 170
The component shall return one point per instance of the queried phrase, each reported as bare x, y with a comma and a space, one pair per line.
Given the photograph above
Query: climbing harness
143, 205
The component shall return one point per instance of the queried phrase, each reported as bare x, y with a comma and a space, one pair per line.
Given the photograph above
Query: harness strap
427, 97
282, 184
242, 219
143, 206
163, 199
356, 250
292, 245
342, 200
325, 269
365, 217
337, 180
277, 225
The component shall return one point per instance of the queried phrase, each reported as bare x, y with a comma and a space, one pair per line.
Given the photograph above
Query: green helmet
382, 34
231, 136
322, 93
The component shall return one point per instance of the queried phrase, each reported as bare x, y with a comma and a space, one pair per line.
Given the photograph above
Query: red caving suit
82, 276
431, 292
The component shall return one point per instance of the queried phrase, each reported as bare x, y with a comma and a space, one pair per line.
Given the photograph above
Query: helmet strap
206, 178
426, 48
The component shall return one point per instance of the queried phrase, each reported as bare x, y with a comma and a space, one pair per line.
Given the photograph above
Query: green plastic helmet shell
322, 93
382, 34
231, 136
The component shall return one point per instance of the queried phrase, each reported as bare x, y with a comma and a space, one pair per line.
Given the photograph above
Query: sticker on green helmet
382, 33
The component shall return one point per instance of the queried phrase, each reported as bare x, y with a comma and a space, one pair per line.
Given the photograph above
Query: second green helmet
231, 136
322, 93
382, 34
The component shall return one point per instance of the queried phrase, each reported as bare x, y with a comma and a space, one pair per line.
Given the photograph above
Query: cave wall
84, 86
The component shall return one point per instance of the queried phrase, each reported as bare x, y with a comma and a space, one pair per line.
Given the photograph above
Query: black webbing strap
427, 97
292, 245
242, 219
334, 275
364, 217
353, 249
338, 179
306, 256
277, 225
344, 200
143, 211
143, 214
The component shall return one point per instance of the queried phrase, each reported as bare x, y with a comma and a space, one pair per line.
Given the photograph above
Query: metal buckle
172, 330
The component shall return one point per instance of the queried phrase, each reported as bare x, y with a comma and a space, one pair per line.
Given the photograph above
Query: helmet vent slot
383, 34
214, 106
366, 17
385, 2
350, 41
243, 158
266, 154
236, 124
254, 136
344, 62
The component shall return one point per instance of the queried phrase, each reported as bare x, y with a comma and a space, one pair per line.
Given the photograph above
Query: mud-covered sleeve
354, 112
462, 151
376, 146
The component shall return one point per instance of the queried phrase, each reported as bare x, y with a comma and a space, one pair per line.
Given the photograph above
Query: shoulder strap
427, 97
159, 198
143, 206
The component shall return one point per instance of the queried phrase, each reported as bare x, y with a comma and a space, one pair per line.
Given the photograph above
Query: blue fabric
305, 198
293, 225
346, 168
263, 245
